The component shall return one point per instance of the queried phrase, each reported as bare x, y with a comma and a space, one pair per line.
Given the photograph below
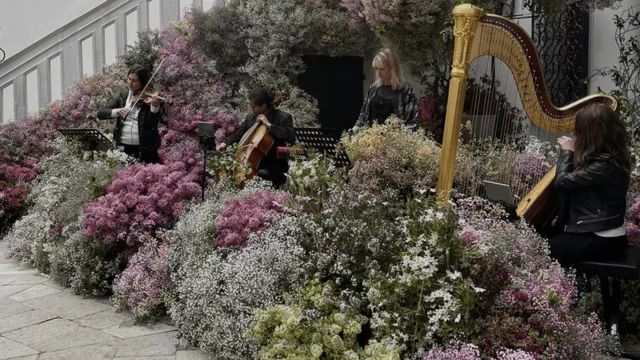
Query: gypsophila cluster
144, 287
390, 156
84, 263
216, 295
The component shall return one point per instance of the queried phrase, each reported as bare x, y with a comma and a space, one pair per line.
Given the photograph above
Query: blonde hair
387, 59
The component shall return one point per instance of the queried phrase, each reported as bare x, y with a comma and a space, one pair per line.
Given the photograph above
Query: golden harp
478, 34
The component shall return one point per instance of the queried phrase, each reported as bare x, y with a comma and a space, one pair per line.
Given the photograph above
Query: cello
256, 143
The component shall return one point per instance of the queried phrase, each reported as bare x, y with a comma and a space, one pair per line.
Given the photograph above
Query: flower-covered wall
344, 263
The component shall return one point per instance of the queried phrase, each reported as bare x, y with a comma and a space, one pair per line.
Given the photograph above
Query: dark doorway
336, 82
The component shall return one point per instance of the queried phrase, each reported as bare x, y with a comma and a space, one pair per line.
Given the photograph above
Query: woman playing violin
280, 126
138, 116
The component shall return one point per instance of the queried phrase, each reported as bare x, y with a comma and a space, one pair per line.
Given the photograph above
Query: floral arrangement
357, 266
144, 287
457, 351
88, 95
423, 297
14, 183
633, 221
310, 179
23, 144
431, 115
65, 183
243, 217
84, 263
194, 91
392, 157
216, 295
316, 325
141, 199
527, 296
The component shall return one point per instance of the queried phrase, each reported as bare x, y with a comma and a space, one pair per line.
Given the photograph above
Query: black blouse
382, 105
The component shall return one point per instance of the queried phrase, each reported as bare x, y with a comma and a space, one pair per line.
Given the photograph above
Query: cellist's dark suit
271, 168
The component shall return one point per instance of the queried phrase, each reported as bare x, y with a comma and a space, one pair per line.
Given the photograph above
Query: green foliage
626, 75
554, 6
225, 166
311, 178
314, 326
145, 52
220, 36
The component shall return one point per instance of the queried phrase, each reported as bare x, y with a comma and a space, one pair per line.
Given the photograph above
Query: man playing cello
279, 125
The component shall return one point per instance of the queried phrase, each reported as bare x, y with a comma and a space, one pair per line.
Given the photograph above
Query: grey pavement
40, 320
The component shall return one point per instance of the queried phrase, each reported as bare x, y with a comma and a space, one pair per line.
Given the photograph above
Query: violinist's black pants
149, 157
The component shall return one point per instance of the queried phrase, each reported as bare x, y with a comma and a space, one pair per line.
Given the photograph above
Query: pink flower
154, 195
142, 285
242, 217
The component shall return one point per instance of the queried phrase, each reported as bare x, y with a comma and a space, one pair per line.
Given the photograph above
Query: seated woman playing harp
593, 178
389, 94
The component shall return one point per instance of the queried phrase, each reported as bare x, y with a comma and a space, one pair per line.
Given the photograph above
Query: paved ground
41, 320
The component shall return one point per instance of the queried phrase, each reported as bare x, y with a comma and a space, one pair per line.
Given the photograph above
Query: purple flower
142, 285
147, 196
242, 217
530, 164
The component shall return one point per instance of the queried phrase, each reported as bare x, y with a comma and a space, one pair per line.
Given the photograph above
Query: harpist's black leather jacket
596, 195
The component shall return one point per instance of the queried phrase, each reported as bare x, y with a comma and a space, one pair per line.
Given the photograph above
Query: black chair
628, 268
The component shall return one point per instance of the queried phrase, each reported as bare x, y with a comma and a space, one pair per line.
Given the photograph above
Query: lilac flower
141, 198
144, 284
243, 217
530, 164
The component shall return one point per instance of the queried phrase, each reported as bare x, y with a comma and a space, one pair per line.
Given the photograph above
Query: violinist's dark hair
261, 96
599, 130
142, 72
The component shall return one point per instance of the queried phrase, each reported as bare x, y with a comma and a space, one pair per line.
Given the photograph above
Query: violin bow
148, 82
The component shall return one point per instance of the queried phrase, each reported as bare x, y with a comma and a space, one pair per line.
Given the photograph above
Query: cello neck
248, 133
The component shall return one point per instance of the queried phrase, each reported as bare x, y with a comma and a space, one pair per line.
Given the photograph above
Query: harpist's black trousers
570, 248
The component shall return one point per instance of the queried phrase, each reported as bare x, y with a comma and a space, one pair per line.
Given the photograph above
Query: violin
147, 93
147, 96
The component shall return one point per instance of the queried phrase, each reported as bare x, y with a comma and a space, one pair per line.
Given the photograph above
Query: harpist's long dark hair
599, 130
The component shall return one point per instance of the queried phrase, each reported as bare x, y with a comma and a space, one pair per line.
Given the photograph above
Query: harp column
466, 19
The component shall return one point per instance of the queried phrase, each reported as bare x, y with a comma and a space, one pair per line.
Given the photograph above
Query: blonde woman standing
389, 94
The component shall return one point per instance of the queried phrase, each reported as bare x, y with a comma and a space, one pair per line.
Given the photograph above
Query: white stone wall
41, 36
603, 51
52, 43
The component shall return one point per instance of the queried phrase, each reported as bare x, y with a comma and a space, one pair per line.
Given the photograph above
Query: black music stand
501, 194
92, 139
207, 141
324, 141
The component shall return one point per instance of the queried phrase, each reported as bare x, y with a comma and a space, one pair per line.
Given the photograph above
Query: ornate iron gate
562, 41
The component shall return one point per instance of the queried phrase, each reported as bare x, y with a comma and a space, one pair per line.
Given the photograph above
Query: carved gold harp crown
478, 34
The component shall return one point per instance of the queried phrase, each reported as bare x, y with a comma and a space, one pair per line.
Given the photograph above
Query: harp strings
496, 139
